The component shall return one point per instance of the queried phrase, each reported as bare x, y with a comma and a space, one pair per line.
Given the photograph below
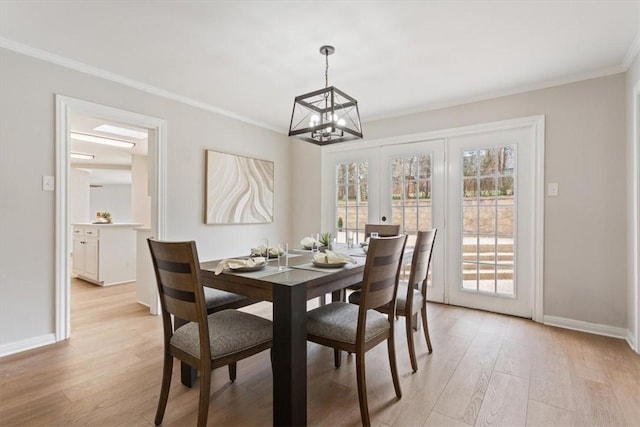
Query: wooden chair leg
362, 389
203, 406
232, 371
412, 349
271, 357
391, 346
337, 358
167, 370
425, 326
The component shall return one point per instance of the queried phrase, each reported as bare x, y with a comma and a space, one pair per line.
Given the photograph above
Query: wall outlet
48, 183
552, 189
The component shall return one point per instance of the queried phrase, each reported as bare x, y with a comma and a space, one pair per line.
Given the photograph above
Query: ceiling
249, 59
111, 165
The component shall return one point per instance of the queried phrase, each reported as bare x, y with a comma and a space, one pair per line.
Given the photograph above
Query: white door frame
633, 337
537, 125
157, 173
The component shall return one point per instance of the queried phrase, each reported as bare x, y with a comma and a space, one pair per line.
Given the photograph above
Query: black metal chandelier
325, 116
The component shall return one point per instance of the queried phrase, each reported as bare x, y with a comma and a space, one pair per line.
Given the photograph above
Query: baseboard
592, 328
20, 346
631, 340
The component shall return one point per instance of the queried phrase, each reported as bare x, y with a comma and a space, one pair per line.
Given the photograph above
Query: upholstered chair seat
230, 331
339, 322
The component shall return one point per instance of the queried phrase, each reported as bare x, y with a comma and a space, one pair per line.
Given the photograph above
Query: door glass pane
352, 199
411, 195
488, 218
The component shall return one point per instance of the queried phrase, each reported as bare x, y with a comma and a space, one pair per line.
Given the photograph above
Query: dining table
288, 288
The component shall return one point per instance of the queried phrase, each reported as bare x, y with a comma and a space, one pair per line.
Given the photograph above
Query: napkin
262, 251
331, 257
238, 263
308, 242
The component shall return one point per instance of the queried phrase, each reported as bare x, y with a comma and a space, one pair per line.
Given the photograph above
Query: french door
490, 217
476, 189
412, 195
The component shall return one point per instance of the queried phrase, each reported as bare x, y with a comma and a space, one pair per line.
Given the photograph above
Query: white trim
437, 134
592, 328
538, 274
632, 52
631, 340
537, 124
107, 75
157, 157
28, 344
634, 257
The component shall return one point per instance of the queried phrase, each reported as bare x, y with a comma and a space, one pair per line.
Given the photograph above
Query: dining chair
412, 298
215, 300
359, 328
383, 230
207, 341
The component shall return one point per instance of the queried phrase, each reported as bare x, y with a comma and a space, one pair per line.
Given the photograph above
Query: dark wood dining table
289, 291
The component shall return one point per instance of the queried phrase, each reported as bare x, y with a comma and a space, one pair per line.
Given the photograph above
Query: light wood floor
486, 369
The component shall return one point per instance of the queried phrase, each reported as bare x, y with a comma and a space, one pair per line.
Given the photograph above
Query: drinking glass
283, 258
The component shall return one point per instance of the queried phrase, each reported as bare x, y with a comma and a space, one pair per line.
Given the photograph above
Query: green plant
340, 223
325, 238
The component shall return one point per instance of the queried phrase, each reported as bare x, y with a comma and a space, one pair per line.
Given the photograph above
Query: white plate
249, 268
329, 265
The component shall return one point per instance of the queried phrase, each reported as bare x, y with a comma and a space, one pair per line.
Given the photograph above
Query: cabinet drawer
78, 231
93, 232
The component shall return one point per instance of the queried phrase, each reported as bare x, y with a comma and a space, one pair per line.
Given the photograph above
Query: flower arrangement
103, 217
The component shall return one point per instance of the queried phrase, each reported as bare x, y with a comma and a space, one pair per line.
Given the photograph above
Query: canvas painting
239, 190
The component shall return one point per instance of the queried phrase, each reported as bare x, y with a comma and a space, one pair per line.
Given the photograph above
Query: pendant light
325, 116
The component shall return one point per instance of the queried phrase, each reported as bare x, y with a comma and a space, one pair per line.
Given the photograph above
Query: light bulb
341, 122
314, 120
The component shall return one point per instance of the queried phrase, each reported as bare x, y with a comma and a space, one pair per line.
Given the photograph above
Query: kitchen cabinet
104, 254
85, 254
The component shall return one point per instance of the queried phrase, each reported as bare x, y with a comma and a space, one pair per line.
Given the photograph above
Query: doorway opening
70, 113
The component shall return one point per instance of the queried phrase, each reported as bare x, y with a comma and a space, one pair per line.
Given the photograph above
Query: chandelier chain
326, 69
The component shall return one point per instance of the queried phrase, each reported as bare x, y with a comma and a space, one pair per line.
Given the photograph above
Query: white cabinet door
78, 256
91, 258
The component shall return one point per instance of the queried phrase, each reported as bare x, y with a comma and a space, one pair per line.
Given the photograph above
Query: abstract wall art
239, 190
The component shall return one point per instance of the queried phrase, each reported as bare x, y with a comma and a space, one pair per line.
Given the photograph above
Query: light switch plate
48, 183
552, 189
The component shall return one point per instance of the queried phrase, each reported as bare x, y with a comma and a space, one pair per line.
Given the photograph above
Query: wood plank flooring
485, 370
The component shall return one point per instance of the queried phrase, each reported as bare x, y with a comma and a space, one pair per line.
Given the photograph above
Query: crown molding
107, 75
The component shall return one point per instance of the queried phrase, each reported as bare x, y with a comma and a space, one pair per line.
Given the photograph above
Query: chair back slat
178, 278
382, 269
421, 260
383, 230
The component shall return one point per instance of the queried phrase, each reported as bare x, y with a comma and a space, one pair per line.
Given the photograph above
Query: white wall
79, 196
27, 223
633, 206
112, 198
140, 199
585, 152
